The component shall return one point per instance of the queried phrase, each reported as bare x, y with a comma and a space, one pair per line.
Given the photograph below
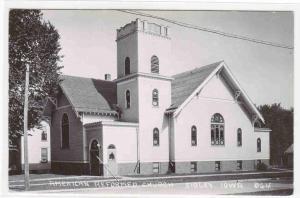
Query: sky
266, 73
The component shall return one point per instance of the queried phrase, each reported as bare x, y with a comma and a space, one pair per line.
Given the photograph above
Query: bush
261, 167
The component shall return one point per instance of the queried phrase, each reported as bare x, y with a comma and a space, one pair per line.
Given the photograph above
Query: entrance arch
96, 165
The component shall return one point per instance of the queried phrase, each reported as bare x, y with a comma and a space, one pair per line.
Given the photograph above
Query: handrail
107, 168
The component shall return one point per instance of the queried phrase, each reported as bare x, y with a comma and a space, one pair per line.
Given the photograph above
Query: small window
127, 66
156, 167
44, 136
217, 165
154, 64
155, 97
127, 96
239, 137
239, 165
44, 155
194, 135
111, 156
65, 132
193, 167
258, 145
155, 137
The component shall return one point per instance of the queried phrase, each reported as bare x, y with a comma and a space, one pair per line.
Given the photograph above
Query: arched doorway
96, 165
112, 160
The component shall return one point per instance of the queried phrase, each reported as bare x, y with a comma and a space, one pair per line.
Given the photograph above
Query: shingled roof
88, 94
185, 83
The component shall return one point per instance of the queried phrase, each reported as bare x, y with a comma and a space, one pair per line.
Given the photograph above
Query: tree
280, 120
33, 42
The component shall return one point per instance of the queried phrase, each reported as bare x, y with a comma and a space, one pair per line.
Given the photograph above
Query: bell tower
143, 85
138, 42
143, 59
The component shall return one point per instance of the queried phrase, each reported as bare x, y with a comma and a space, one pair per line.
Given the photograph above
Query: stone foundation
147, 167
38, 168
69, 168
209, 166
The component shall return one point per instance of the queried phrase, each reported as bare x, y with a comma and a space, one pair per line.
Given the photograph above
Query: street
264, 183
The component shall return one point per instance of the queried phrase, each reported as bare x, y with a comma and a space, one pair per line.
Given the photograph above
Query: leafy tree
33, 42
280, 120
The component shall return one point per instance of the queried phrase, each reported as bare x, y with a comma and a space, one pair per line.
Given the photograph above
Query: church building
148, 122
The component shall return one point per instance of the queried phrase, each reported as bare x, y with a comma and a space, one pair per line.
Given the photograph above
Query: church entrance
112, 162
96, 165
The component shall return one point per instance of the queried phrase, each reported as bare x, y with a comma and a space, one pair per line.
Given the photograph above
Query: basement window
217, 165
156, 167
44, 155
239, 165
193, 167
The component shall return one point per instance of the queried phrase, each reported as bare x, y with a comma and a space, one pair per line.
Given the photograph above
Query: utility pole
26, 165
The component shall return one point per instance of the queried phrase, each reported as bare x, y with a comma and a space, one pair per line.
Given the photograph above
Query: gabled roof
88, 94
185, 83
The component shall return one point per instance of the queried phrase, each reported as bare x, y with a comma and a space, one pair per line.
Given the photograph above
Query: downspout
138, 150
169, 129
84, 139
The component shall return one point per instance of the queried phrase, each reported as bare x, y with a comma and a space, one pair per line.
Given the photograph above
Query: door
96, 167
112, 161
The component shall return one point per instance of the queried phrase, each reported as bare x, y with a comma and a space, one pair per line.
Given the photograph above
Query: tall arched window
127, 97
258, 145
217, 129
154, 64
239, 137
65, 131
155, 97
44, 136
194, 135
127, 66
155, 137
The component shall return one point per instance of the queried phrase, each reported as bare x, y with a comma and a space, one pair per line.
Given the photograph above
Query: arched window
155, 97
155, 137
258, 145
111, 146
44, 136
127, 96
239, 137
154, 64
111, 156
194, 136
127, 66
217, 129
94, 145
65, 131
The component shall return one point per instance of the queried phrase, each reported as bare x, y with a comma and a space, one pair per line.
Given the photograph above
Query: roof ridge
197, 69
72, 76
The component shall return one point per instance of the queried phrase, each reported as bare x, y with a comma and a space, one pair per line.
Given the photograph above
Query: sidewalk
46, 177
52, 182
